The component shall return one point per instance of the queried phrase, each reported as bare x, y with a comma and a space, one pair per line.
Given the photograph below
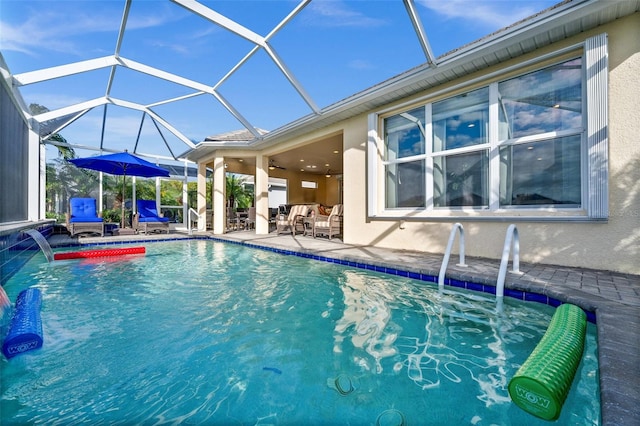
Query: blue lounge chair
147, 219
83, 217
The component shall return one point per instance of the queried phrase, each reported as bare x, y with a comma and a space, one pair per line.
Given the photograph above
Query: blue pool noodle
25, 331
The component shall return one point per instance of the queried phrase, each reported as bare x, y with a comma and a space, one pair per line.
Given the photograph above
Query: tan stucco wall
296, 194
614, 245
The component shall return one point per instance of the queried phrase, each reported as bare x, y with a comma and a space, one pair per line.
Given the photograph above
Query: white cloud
331, 13
50, 29
495, 13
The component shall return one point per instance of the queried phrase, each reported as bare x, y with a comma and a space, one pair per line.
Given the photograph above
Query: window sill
469, 215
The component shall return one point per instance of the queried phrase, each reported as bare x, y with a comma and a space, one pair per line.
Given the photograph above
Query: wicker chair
147, 219
83, 217
329, 225
294, 221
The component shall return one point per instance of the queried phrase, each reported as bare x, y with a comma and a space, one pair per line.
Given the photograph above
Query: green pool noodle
541, 384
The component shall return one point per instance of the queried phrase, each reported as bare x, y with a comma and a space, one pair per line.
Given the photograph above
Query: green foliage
59, 217
65, 152
111, 215
192, 191
171, 193
238, 196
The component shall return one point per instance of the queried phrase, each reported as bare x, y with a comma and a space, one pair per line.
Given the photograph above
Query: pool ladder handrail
457, 227
191, 210
511, 239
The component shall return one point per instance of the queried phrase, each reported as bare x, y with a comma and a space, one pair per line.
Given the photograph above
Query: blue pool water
201, 332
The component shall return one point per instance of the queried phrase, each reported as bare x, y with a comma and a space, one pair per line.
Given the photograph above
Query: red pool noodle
98, 253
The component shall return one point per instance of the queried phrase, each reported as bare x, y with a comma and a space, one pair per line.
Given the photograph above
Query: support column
202, 196
37, 184
262, 194
219, 188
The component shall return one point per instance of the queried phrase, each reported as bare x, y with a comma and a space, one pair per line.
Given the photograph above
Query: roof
241, 135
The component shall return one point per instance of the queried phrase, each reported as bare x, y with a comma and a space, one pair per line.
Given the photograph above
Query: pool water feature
202, 332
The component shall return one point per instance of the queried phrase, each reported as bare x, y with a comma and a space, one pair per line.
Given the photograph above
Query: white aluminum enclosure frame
60, 118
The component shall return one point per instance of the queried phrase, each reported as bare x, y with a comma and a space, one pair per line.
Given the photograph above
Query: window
542, 173
514, 145
537, 165
405, 175
461, 179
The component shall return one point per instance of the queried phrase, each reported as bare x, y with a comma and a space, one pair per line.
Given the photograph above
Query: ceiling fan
273, 165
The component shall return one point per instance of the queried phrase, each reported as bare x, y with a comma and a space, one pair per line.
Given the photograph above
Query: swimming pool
202, 332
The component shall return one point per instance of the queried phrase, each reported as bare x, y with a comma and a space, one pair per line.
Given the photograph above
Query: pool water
202, 332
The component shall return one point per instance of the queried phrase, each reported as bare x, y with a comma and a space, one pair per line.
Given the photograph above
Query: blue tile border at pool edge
482, 288
450, 282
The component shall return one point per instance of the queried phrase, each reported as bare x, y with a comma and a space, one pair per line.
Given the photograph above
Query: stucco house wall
609, 245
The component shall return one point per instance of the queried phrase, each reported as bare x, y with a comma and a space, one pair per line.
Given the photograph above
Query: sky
333, 48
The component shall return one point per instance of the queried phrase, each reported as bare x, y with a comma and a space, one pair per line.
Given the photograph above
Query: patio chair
329, 225
250, 221
294, 221
233, 219
147, 219
83, 217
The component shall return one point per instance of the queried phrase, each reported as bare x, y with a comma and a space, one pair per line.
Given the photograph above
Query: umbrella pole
124, 177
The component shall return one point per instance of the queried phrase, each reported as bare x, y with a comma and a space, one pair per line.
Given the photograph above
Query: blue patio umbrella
122, 164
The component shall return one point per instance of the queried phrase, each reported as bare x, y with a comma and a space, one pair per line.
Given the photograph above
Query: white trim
597, 72
46, 74
494, 148
428, 165
36, 172
541, 137
372, 165
463, 150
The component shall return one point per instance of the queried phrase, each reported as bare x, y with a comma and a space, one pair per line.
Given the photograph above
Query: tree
65, 152
238, 196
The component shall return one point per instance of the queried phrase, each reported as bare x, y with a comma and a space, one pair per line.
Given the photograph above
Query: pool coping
618, 353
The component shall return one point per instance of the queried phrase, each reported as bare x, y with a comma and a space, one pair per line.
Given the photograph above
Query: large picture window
513, 145
538, 143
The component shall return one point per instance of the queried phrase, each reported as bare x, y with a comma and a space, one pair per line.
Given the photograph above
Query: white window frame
594, 160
